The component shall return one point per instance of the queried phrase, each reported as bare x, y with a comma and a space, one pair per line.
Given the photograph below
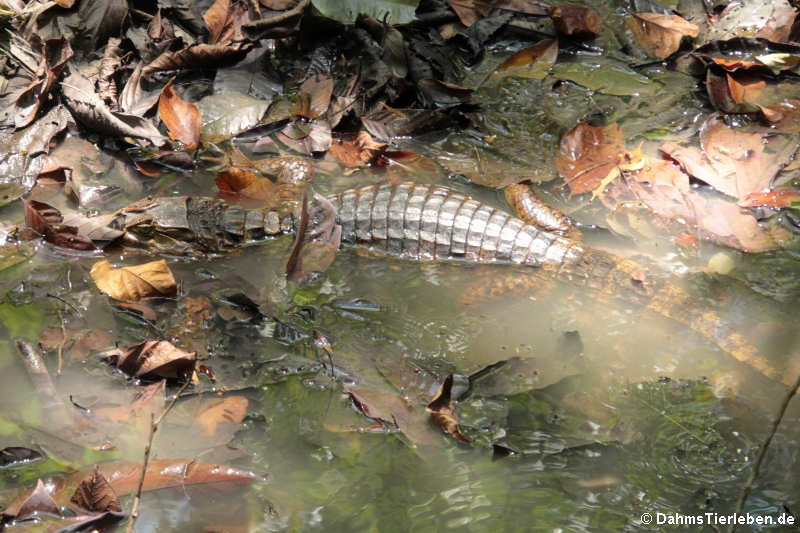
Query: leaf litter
393, 81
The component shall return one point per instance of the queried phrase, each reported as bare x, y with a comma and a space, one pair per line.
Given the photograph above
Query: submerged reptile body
428, 222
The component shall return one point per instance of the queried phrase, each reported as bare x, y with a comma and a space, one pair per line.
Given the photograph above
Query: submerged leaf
133, 283
588, 154
532, 62
230, 410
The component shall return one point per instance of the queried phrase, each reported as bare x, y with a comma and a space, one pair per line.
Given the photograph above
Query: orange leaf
587, 154
183, 119
230, 410
775, 198
531, 62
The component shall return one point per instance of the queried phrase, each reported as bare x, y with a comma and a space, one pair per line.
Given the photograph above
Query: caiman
430, 223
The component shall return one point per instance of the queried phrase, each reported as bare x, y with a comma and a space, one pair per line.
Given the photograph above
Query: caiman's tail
626, 280
617, 279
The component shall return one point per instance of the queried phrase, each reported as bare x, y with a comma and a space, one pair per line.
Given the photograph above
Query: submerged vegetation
186, 343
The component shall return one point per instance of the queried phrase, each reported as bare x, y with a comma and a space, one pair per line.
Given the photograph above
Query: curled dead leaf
660, 35
131, 284
443, 412
182, 118
154, 359
47, 221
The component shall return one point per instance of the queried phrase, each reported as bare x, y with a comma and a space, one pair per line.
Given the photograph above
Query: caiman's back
427, 222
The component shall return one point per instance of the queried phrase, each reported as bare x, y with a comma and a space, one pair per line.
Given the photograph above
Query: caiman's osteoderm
428, 222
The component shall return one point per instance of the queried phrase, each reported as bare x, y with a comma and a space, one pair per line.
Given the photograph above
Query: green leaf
607, 79
22, 320
346, 11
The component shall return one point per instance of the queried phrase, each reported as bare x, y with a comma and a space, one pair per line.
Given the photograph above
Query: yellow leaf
611, 176
131, 284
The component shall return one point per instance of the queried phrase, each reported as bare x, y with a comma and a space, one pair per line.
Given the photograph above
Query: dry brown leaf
154, 359
361, 151
576, 21
319, 89
182, 118
660, 35
587, 154
95, 495
47, 221
443, 412
131, 284
38, 500
230, 410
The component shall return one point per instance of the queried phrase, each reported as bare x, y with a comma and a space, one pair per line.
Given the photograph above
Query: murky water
604, 412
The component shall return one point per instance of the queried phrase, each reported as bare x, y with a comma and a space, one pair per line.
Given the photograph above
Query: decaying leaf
182, 118
576, 21
55, 54
244, 183
443, 412
587, 154
154, 359
317, 240
660, 35
95, 495
318, 89
770, 19
48, 222
79, 342
131, 284
197, 56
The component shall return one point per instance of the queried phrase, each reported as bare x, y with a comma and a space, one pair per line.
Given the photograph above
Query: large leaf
102, 19
88, 108
393, 11
616, 80
660, 35
182, 118
131, 284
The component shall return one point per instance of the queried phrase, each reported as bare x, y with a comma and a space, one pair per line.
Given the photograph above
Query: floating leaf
660, 35
770, 19
182, 118
37, 500
154, 359
48, 222
131, 284
16, 455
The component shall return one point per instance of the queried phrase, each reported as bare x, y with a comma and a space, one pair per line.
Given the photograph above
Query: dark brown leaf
109, 66
154, 359
55, 54
576, 21
15, 455
358, 152
197, 56
317, 240
182, 118
95, 495
102, 19
48, 222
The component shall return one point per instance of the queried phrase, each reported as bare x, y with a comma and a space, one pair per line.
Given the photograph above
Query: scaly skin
426, 222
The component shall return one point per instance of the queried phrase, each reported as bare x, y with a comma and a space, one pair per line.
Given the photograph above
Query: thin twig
763, 451
65, 302
62, 343
154, 422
